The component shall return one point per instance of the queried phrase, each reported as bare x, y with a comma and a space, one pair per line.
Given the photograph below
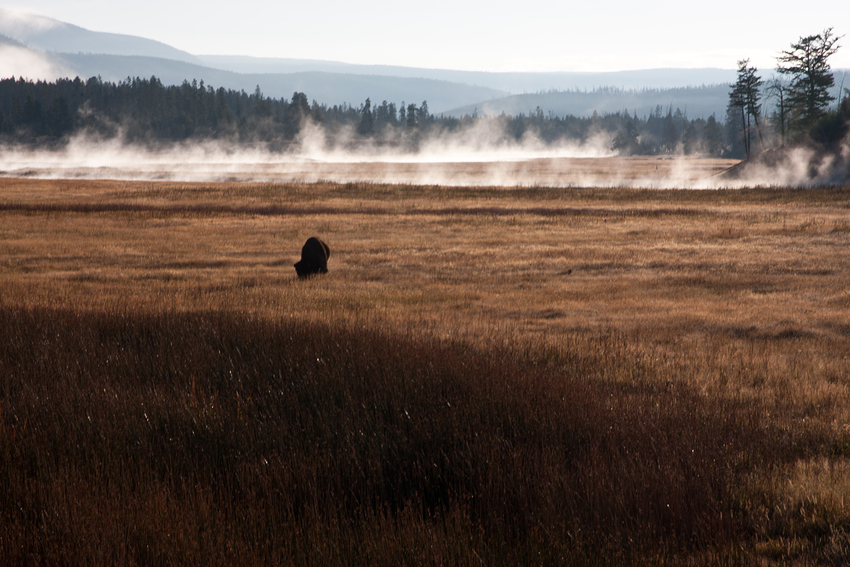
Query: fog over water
480, 154
468, 159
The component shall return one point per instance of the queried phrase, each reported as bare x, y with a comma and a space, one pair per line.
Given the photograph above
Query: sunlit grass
688, 345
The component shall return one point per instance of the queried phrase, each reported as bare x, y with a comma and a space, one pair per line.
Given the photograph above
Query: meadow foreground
519, 375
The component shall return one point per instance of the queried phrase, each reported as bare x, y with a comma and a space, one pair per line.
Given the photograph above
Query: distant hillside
16, 60
695, 102
328, 88
51, 35
42, 48
9, 42
513, 83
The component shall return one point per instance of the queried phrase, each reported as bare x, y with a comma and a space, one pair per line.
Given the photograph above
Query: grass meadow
485, 376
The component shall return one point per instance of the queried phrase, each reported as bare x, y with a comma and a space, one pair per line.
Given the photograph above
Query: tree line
146, 111
143, 110
801, 97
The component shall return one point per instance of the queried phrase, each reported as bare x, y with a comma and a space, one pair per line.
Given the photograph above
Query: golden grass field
739, 295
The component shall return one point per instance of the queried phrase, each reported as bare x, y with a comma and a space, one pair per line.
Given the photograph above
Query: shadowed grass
222, 439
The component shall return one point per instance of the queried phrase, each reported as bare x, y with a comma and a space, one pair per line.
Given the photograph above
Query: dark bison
314, 258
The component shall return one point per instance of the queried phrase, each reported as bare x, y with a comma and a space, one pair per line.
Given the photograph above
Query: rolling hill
512, 83
41, 48
326, 87
694, 102
46, 34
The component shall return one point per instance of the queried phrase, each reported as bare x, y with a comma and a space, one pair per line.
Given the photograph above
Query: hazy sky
530, 35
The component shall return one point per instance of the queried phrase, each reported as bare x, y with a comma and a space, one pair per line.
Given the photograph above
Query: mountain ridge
328, 88
50, 35
514, 82
65, 50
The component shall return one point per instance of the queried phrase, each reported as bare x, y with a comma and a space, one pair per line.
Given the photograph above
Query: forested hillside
146, 111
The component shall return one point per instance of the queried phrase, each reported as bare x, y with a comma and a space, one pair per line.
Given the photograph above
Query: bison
314, 258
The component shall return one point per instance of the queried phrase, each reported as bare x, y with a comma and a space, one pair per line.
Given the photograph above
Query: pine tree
713, 137
779, 91
411, 116
744, 97
295, 113
367, 120
806, 63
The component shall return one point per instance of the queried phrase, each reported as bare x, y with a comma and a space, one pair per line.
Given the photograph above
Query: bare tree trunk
758, 129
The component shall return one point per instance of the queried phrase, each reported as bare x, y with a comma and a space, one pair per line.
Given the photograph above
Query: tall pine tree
806, 63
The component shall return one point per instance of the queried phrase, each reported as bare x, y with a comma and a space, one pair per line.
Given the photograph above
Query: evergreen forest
147, 112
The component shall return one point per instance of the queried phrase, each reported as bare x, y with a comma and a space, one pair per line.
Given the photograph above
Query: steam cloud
22, 62
23, 25
478, 156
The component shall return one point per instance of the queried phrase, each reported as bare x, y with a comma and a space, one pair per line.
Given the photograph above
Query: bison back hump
314, 258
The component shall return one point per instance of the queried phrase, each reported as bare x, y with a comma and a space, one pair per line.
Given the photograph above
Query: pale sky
498, 35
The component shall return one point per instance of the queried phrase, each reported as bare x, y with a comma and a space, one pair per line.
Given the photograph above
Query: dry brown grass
741, 296
674, 263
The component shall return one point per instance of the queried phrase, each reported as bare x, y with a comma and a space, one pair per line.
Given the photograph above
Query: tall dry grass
508, 376
215, 438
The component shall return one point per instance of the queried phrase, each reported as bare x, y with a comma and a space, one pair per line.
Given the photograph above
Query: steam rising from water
475, 157
801, 167
22, 62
